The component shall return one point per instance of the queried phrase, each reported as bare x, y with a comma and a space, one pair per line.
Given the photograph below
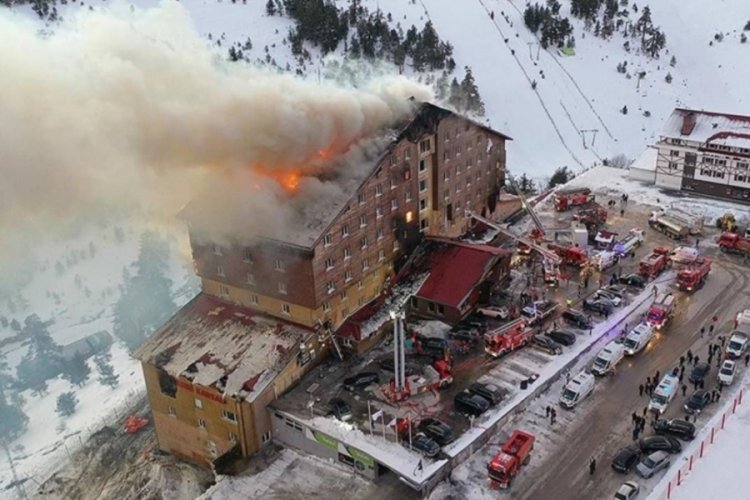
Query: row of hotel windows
721, 174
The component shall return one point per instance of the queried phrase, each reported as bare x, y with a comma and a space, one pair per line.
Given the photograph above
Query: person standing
682, 360
703, 331
634, 417
690, 356
547, 412
592, 466
711, 329
684, 390
657, 378
640, 390
696, 358
747, 359
553, 414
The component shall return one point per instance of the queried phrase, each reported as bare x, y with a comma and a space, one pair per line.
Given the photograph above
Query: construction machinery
595, 216
694, 276
654, 263
669, 226
507, 338
572, 197
727, 223
514, 454
661, 311
572, 255
694, 223
734, 243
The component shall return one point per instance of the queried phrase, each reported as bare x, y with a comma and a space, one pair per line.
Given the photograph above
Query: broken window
228, 415
167, 384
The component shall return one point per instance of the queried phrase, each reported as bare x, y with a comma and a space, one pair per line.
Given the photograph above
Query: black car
577, 318
437, 430
651, 444
340, 409
424, 445
698, 401
470, 404
678, 428
626, 458
699, 372
546, 344
599, 306
633, 280
492, 393
388, 365
433, 345
361, 380
562, 337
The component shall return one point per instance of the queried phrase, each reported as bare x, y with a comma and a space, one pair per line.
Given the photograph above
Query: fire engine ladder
332, 337
525, 204
547, 254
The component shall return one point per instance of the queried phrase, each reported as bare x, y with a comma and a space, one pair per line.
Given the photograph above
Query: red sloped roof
455, 270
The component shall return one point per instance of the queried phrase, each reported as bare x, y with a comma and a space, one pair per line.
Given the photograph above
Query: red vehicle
655, 262
734, 243
515, 453
572, 197
694, 276
595, 216
437, 376
661, 311
507, 338
571, 255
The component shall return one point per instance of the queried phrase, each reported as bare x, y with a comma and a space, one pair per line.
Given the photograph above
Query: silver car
628, 491
652, 464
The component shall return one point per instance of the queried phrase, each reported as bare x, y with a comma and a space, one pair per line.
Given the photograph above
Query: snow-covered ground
79, 300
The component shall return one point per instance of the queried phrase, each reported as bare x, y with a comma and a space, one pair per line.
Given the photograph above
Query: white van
737, 345
605, 259
608, 358
664, 394
638, 338
577, 389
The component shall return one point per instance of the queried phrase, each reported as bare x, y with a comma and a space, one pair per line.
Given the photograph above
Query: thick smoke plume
132, 108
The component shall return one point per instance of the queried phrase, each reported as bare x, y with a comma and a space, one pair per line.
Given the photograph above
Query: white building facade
706, 153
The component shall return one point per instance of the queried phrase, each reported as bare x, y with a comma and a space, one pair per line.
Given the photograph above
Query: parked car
617, 290
492, 393
613, 298
699, 400
546, 344
674, 427
465, 333
433, 345
562, 337
699, 372
577, 318
388, 365
467, 403
626, 458
726, 372
340, 409
633, 280
651, 444
423, 444
361, 380
598, 306
437, 430
652, 464
628, 491
495, 312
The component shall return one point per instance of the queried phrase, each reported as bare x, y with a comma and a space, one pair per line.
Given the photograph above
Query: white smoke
130, 108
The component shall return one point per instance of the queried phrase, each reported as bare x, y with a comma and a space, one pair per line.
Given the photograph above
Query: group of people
639, 424
551, 415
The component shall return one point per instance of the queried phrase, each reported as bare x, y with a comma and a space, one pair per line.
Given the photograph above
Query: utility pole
583, 136
538, 48
18, 484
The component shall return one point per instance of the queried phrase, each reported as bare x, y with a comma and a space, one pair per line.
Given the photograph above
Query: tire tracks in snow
572, 80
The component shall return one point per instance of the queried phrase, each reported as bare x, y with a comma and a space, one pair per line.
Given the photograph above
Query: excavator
727, 223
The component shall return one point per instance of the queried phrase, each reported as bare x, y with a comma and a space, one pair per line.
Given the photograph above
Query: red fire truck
595, 216
572, 197
437, 376
655, 262
515, 453
571, 255
661, 311
694, 276
734, 243
507, 338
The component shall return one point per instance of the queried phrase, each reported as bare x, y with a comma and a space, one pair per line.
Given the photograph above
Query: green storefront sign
333, 444
326, 440
358, 455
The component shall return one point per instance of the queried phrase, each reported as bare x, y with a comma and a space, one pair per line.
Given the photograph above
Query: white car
494, 312
726, 372
684, 255
628, 491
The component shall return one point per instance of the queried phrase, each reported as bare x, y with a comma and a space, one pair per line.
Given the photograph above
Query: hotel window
361, 198
422, 204
248, 258
424, 146
393, 159
330, 287
445, 155
286, 309
224, 290
674, 153
201, 423
381, 233
342, 296
217, 250
347, 276
278, 264
282, 287
381, 254
479, 139
220, 270
363, 242
326, 306
446, 174
395, 245
422, 186
423, 224
328, 240
347, 253
394, 184
362, 220
198, 403
407, 154
171, 411
233, 437
365, 264
479, 176
254, 299
408, 195
228, 415
345, 231
378, 213
422, 166
360, 285
251, 279
468, 163
379, 190
394, 204
361, 301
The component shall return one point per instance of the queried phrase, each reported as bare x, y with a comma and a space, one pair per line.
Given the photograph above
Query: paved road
564, 474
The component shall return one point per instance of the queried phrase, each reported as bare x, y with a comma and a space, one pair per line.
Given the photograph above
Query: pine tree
456, 96
668, 78
107, 375
77, 370
471, 93
560, 176
270, 8
66, 404
673, 61
13, 420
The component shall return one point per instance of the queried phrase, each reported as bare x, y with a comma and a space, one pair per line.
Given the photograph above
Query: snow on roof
455, 270
647, 160
707, 124
213, 344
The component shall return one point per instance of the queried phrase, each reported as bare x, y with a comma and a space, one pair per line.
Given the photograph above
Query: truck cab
577, 390
514, 454
661, 311
608, 358
638, 338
